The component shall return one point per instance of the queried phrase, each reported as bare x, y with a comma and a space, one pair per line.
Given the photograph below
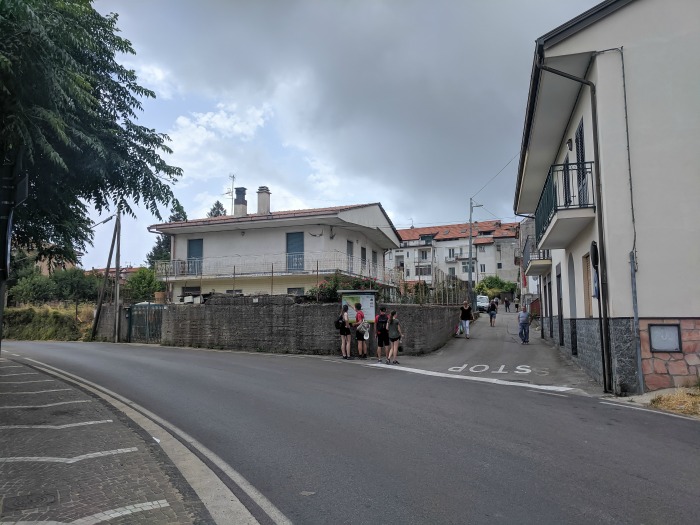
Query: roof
540, 140
461, 231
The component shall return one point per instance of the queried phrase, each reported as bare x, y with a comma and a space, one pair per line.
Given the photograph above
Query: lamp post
471, 211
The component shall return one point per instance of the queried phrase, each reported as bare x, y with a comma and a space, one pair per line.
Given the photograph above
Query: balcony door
581, 181
350, 252
195, 253
295, 251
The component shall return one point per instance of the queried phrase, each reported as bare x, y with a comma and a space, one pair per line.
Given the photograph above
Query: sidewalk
67, 456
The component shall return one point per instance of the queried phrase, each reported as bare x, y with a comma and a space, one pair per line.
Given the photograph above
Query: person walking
524, 322
507, 305
395, 336
381, 328
465, 316
345, 344
492, 312
360, 329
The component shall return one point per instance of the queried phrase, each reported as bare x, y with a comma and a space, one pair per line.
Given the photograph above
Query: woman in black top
465, 315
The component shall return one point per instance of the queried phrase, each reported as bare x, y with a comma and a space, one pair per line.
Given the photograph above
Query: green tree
34, 289
161, 250
68, 121
143, 284
76, 286
217, 210
493, 285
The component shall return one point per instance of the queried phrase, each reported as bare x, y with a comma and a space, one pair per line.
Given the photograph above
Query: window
408, 272
363, 257
295, 291
482, 249
465, 267
235, 292
191, 290
482, 268
427, 238
499, 266
374, 260
423, 270
451, 271
423, 255
451, 253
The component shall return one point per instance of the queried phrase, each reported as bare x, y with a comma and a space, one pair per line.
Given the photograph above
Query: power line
496, 175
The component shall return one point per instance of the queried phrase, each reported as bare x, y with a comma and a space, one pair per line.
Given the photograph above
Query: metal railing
531, 253
275, 264
568, 186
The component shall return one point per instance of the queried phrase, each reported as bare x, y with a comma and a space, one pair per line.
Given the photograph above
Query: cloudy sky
416, 104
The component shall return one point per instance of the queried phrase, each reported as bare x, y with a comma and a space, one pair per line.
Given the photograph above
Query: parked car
482, 302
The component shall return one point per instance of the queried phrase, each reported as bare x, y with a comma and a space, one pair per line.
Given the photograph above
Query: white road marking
476, 379
11, 366
37, 392
68, 461
58, 427
620, 405
51, 404
21, 374
121, 511
547, 393
25, 382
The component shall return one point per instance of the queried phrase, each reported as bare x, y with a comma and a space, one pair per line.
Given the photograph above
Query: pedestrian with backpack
395, 335
344, 327
361, 332
381, 324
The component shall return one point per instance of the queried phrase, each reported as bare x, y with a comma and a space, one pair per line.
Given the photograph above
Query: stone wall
279, 324
669, 369
105, 326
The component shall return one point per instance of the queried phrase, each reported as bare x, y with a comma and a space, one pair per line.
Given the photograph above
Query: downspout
605, 335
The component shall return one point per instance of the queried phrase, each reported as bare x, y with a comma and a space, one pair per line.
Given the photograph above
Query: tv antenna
231, 191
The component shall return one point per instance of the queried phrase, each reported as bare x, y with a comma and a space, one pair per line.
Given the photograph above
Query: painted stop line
502, 369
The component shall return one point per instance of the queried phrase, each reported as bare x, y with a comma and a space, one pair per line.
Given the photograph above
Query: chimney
263, 200
240, 205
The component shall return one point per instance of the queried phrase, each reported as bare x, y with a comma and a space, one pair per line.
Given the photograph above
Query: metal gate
145, 322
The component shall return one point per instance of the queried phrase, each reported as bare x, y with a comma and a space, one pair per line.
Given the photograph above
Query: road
331, 441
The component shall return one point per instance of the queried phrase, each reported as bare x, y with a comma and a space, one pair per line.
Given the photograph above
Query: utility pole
471, 212
98, 310
231, 191
118, 227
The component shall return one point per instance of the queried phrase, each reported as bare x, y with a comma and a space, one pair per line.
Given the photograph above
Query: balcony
536, 262
308, 263
566, 205
451, 258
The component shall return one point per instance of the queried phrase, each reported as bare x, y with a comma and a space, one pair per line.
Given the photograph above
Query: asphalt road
330, 441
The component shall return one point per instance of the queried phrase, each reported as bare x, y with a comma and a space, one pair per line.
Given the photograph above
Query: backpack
382, 321
339, 323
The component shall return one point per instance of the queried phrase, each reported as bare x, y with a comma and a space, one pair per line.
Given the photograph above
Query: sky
416, 104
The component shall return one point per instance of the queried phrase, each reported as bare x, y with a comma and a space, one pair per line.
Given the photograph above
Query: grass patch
47, 323
682, 401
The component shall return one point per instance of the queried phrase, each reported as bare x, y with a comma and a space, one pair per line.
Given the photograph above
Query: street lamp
471, 211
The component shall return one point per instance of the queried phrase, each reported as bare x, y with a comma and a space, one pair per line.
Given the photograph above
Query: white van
482, 303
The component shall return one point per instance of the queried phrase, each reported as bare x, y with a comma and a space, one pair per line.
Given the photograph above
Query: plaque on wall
665, 337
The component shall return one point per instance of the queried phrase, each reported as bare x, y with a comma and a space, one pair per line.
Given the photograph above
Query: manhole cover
28, 501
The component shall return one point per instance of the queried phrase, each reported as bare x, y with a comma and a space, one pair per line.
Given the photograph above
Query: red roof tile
461, 231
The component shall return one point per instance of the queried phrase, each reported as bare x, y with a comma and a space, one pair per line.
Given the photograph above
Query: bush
327, 291
46, 324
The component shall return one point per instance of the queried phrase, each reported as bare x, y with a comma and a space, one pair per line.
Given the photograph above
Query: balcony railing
274, 264
568, 186
451, 258
532, 254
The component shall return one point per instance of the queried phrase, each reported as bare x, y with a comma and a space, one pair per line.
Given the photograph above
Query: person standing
465, 316
359, 333
492, 312
507, 305
345, 345
381, 328
524, 322
395, 335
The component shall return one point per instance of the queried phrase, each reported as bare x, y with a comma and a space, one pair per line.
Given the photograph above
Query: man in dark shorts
381, 323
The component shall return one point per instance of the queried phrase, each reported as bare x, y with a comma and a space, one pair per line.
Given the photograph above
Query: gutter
605, 320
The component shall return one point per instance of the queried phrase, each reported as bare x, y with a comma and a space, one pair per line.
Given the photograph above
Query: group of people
466, 315
388, 334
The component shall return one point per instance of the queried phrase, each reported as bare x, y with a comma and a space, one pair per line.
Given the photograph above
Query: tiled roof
461, 231
230, 219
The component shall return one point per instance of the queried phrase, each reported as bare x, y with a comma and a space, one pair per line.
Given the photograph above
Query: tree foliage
494, 285
68, 118
161, 250
76, 286
217, 210
34, 289
143, 284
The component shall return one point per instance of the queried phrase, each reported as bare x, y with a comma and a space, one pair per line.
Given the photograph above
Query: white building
281, 252
445, 249
608, 170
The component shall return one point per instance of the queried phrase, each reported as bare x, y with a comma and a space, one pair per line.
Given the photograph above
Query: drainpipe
605, 335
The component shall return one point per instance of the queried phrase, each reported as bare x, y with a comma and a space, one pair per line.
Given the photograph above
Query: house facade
425, 252
608, 172
281, 252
